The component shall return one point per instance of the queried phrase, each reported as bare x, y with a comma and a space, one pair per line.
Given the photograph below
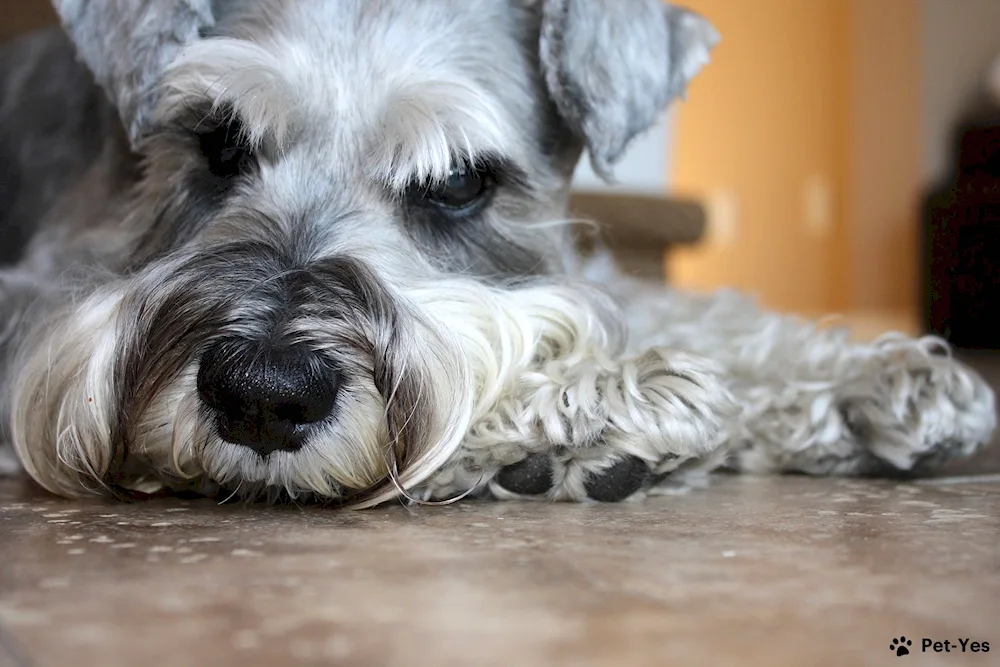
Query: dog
319, 251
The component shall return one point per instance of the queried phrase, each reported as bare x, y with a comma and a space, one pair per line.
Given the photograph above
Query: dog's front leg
584, 420
600, 429
817, 401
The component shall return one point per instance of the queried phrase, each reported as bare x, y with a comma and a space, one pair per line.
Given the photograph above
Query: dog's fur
475, 351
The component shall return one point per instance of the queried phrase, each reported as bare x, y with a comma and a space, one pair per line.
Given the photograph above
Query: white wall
960, 38
645, 168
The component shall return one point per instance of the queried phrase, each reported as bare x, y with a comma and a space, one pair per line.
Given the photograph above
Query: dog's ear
612, 66
127, 44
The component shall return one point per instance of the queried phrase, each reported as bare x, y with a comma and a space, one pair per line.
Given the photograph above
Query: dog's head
331, 194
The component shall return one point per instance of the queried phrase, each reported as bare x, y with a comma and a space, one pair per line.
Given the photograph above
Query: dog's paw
659, 405
600, 475
532, 476
548, 476
600, 430
618, 481
916, 407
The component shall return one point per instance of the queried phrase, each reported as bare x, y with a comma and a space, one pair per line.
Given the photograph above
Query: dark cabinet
961, 242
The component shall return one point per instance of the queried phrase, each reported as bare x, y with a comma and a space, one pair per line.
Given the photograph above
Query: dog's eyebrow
238, 76
418, 132
425, 129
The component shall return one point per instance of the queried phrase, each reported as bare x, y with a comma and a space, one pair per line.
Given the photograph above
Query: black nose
266, 397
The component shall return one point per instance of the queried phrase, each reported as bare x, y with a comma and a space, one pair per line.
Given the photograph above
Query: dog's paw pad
529, 477
618, 482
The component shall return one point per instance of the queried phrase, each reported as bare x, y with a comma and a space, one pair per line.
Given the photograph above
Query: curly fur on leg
814, 401
711, 381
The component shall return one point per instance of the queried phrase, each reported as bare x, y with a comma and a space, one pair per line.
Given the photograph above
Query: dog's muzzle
266, 396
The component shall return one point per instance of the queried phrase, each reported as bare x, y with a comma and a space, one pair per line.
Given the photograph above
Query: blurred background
829, 146
846, 154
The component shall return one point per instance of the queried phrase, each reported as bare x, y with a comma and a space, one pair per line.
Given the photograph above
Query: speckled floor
762, 572
753, 571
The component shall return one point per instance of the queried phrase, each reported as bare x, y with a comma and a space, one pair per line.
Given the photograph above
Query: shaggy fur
318, 250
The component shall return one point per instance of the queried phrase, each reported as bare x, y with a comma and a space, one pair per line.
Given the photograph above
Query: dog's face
320, 170
333, 194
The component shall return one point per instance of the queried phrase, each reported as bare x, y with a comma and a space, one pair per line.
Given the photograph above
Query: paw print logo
899, 646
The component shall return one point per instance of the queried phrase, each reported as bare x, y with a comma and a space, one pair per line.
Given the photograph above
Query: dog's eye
225, 148
463, 188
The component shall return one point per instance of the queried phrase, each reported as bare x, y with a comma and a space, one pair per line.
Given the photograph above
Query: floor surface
762, 572
753, 571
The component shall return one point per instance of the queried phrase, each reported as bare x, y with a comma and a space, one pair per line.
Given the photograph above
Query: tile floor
753, 571
767, 572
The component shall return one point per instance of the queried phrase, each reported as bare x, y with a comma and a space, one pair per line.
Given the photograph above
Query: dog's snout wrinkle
266, 397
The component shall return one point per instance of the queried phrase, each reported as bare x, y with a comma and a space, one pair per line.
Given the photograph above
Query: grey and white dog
318, 249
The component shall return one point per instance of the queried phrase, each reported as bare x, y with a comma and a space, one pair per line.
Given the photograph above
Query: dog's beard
111, 381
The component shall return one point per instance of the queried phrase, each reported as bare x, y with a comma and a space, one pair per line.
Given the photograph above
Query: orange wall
884, 160
796, 98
